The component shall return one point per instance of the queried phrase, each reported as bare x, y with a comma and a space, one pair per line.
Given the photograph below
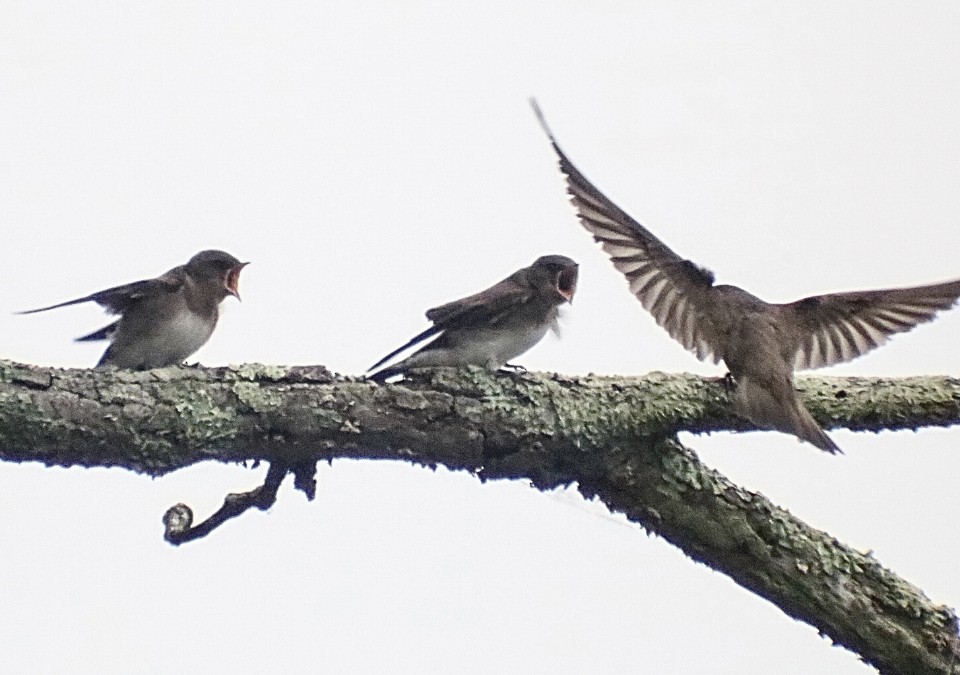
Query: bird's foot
513, 368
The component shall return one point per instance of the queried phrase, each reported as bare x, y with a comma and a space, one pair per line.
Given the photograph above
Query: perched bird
163, 320
761, 343
493, 326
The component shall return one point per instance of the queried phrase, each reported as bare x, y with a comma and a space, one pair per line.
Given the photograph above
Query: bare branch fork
614, 436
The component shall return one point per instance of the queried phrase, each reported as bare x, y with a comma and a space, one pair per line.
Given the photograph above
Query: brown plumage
761, 343
166, 319
491, 327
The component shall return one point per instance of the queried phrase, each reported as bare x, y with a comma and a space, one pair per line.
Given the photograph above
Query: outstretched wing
677, 292
486, 307
118, 299
838, 327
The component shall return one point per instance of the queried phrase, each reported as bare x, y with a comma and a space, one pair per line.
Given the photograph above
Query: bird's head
213, 265
562, 273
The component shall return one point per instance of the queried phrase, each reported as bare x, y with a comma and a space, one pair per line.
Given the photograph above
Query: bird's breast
190, 331
158, 341
490, 347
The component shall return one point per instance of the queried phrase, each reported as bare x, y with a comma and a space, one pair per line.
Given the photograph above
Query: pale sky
376, 160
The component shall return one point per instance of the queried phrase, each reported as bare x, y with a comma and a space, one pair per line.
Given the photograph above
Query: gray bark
614, 436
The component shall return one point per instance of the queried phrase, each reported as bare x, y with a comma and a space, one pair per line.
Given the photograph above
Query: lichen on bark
613, 436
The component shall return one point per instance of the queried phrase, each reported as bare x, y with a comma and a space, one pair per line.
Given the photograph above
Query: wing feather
839, 327
116, 300
675, 291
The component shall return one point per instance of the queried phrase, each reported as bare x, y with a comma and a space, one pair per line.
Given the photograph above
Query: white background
375, 161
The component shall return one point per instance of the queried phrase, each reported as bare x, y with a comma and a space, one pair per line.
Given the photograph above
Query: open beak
233, 278
567, 282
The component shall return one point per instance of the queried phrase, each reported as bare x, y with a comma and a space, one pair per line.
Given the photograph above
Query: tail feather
430, 332
104, 333
105, 359
807, 429
385, 374
775, 405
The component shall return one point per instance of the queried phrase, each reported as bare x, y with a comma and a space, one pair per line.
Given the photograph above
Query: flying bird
493, 326
761, 343
163, 320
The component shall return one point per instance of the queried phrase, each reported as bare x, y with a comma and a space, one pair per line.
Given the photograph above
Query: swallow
491, 327
761, 343
163, 320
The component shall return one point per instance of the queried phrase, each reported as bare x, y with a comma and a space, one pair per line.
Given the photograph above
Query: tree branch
178, 520
614, 436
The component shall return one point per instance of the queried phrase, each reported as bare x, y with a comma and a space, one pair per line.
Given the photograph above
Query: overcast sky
378, 159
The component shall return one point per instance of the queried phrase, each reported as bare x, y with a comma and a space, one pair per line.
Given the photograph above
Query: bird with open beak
164, 320
760, 342
492, 327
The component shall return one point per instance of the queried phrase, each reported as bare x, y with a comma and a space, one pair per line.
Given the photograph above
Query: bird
761, 343
491, 327
163, 320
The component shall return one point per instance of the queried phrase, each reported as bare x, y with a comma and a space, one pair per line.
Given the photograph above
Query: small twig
305, 478
178, 520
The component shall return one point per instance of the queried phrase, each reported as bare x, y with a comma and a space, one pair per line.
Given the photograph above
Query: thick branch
614, 436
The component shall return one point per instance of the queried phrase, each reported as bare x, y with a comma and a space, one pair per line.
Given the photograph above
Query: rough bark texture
614, 436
